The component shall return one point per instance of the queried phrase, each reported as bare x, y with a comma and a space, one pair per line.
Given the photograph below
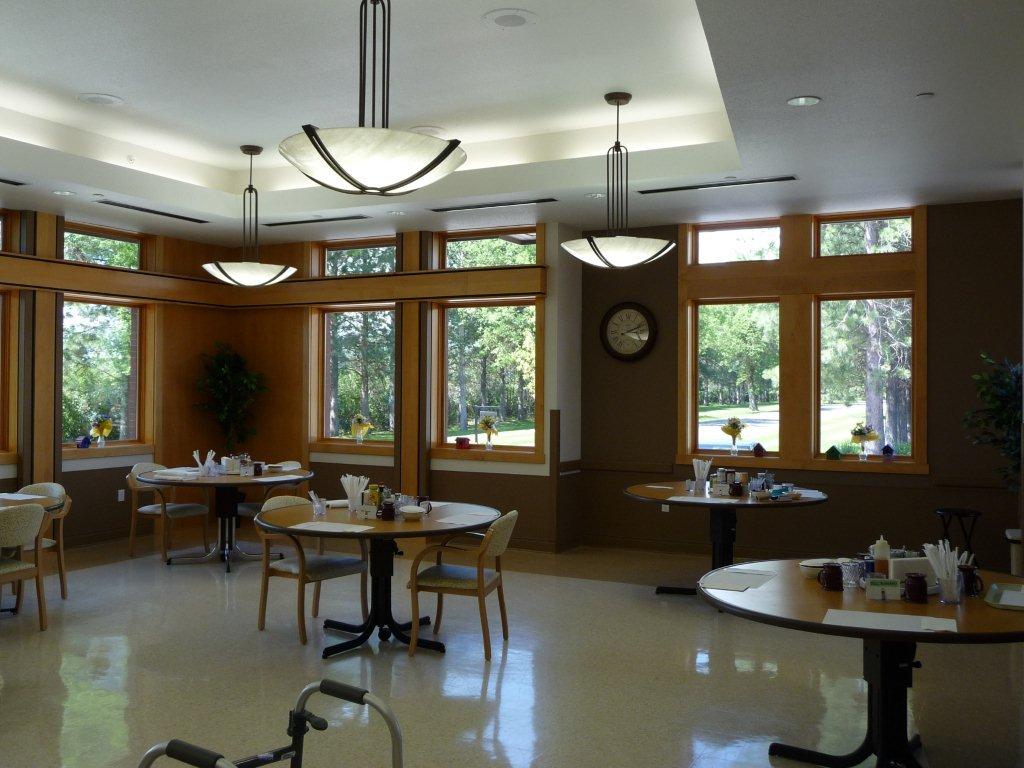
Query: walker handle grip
190, 754
343, 691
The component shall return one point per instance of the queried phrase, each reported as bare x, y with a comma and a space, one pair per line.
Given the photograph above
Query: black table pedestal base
380, 619
723, 536
226, 507
888, 670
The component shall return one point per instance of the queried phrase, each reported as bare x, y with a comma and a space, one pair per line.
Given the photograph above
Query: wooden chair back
499, 535
54, 491
21, 525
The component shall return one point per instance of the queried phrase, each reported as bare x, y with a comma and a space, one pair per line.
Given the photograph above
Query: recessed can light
594, 195
428, 130
396, 213
63, 192
803, 101
101, 99
510, 18
730, 178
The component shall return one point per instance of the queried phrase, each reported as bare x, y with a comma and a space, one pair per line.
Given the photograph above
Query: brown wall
629, 411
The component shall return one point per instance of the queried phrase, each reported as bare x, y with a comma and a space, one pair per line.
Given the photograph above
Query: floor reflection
93, 730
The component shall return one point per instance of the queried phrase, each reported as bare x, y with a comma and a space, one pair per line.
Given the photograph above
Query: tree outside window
847, 238
359, 372
106, 251
497, 251
371, 259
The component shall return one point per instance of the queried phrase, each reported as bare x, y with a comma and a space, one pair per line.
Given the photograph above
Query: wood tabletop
222, 481
791, 600
673, 492
49, 503
282, 521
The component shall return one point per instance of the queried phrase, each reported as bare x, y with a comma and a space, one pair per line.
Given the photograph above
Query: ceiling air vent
13, 183
140, 209
715, 184
356, 217
480, 206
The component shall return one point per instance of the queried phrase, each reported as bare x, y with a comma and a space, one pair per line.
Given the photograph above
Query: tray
995, 593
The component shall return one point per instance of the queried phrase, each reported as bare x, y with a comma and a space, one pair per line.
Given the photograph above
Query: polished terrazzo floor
598, 672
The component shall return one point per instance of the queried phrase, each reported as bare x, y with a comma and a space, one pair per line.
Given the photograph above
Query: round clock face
628, 331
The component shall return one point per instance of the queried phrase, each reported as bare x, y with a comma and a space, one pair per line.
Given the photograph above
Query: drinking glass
950, 589
852, 571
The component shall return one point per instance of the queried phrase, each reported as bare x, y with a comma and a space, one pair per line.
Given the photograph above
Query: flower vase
734, 451
489, 446
101, 441
360, 436
863, 452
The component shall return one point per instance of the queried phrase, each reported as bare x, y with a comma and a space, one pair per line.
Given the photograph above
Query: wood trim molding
119, 448
369, 448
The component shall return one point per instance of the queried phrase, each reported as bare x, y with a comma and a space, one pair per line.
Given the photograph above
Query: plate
994, 596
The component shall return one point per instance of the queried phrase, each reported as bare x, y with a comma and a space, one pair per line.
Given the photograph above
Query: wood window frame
838, 218
321, 442
798, 279
109, 233
441, 243
147, 392
9, 317
440, 448
322, 247
693, 383
693, 251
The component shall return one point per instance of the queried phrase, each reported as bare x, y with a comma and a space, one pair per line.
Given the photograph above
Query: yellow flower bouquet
489, 426
733, 427
101, 429
360, 426
861, 435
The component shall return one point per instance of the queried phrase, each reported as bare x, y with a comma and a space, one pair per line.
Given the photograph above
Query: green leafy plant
229, 391
998, 422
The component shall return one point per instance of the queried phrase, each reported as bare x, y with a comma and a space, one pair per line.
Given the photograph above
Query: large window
359, 374
856, 236
108, 249
738, 374
866, 372
490, 370
489, 249
807, 351
360, 258
720, 243
100, 369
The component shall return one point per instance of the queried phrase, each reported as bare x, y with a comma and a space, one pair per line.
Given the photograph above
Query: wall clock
628, 331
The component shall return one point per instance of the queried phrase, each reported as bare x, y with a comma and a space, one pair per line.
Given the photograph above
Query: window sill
370, 447
114, 449
820, 464
478, 453
9, 457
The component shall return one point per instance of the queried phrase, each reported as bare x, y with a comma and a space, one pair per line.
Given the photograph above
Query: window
489, 249
369, 257
865, 372
738, 374
490, 369
846, 237
718, 243
107, 248
100, 369
359, 373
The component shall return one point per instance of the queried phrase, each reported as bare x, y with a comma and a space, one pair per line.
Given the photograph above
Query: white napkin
285, 466
354, 486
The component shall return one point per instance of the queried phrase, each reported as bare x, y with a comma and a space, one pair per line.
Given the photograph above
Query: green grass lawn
763, 427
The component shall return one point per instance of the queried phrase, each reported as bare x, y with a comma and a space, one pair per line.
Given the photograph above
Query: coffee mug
973, 584
462, 442
735, 488
387, 510
916, 588
831, 577
423, 501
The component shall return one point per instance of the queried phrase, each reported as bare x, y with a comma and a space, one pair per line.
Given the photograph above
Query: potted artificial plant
229, 391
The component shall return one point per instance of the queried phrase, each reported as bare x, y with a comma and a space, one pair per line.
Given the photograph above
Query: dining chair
306, 568
55, 491
163, 511
446, 579
21, 526
251, 508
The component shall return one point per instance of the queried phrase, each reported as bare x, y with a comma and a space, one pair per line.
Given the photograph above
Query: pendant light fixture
372, 160
618, 249
249, 272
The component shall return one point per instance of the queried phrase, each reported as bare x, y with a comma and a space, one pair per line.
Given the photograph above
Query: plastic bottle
881, 552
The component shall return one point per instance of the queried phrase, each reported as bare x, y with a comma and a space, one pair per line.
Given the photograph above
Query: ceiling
710, 80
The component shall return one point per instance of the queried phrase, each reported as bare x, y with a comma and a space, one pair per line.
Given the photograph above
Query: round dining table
789, 599
722, 511
227, 493
445, 519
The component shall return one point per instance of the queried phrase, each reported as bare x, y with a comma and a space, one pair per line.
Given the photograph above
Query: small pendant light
249, 272
618, 249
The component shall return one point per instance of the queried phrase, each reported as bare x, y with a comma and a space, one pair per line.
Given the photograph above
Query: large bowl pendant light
372, 160
618, 249
249, 272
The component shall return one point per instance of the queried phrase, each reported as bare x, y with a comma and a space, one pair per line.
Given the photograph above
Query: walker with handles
299, 722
